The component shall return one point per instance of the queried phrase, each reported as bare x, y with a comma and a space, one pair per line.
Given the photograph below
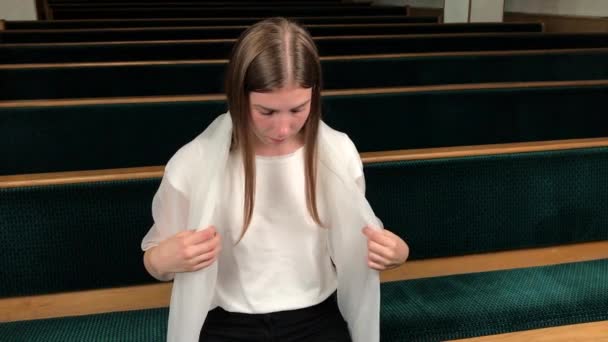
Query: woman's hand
385, 249
186, 251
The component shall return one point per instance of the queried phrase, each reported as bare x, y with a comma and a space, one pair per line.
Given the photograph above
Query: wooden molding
429, 36
48, 10
75, 177
226, 19
72, 177
205, 4
552, 22
336, 92
106, 64
158, 295
585, 332
85, 302
111, 100
427, 11
323, 58
506, 260
243, 27
561, 23
41, 9
480, 150
2, 24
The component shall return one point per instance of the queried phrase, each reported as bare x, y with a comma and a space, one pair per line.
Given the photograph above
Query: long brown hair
269, 55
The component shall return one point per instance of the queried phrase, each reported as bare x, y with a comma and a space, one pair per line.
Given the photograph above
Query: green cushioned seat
73, 137
82, 236
74, 237
445, 308
457, 206
107, 35
130, 326
146, 51
83, 24
207, 78
432, 309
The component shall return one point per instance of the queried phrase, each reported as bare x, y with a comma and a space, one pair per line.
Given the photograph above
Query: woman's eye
266, 113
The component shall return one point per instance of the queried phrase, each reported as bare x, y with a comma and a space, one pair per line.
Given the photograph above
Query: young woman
261, 218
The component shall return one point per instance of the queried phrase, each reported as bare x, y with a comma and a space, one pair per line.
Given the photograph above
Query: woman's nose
283, 125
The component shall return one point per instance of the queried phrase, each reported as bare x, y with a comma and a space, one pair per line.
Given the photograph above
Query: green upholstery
91, 52
129, 326
447, 207
74, 237
431, 309
222, 12
81, 236
438, 309
165, 33
73, 137
205, 78
83, 24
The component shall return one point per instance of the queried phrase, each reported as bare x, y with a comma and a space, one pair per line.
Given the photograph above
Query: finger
375, 266
385, 238
376, 248
201, 236
368, 231
204, 264
184, 233
211, 255
204, 246
381, 236
378, 259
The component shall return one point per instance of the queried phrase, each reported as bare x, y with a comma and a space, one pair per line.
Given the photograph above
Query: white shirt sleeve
170, 213
355, 165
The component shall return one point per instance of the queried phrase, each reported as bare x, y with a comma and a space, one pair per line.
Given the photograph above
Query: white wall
17, 9
596, 8
489, 11
456, 11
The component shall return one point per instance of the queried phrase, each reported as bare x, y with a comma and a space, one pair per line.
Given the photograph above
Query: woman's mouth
277, 141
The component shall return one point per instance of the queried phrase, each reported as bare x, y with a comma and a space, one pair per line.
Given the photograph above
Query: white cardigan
193, 178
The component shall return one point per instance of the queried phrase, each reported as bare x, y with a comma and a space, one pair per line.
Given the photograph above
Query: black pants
322, 322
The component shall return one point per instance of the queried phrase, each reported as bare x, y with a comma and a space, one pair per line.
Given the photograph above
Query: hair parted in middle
269, 55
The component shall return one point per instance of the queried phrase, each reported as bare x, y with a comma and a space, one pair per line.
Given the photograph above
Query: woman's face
278, 117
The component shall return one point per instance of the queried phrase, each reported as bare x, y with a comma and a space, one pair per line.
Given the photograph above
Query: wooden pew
431, 116
120, 23
88, 80
233, 32
172, 4
328, 46
427, 270
206, 12
179, 1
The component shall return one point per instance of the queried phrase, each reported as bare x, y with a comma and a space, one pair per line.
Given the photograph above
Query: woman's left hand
385, 249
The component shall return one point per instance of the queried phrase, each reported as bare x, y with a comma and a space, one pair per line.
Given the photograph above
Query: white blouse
283, 261
189, 197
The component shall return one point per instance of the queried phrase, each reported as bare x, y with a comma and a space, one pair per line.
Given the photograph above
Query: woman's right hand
186, 251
